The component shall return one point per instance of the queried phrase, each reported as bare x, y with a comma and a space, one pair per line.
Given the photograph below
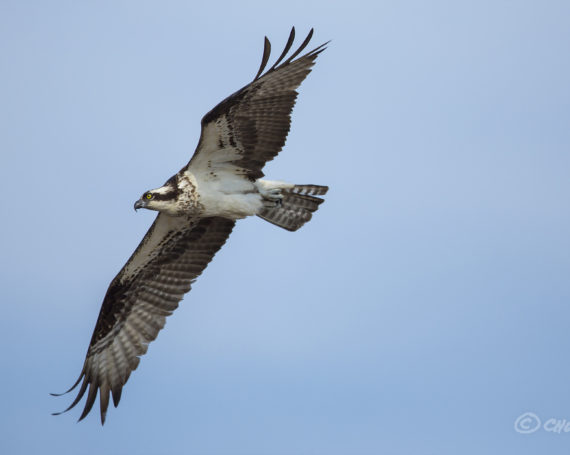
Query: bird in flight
197, 210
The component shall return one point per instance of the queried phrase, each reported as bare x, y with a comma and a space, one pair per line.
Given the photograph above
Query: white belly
228, 195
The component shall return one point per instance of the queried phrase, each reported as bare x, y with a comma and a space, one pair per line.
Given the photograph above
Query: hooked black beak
139, 204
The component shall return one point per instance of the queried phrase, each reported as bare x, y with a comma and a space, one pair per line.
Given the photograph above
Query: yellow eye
148, 195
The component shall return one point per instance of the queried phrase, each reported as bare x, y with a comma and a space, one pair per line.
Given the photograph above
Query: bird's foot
272, 197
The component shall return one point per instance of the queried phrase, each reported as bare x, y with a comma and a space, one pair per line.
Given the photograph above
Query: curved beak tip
138, 205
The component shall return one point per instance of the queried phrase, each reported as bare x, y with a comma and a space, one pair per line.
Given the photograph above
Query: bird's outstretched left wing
173, 253
250, 127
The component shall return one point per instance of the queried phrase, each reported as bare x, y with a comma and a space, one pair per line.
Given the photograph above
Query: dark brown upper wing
171, 256
250, 127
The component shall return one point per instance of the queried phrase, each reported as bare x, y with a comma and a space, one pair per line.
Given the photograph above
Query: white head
164, 199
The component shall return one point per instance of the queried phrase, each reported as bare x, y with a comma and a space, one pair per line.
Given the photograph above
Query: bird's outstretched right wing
173, 253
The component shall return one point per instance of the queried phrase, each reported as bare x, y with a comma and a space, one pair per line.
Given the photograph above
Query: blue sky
422, 310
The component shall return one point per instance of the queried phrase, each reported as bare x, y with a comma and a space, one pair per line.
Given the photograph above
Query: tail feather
296, 208
310, 190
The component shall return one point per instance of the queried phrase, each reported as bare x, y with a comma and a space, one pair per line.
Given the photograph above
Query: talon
272, 197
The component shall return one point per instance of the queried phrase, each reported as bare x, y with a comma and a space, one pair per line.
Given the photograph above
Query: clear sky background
422, 310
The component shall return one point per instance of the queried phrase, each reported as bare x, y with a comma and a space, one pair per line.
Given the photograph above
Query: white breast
227, 195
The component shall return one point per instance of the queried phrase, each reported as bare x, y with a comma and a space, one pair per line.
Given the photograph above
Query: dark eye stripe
165, 197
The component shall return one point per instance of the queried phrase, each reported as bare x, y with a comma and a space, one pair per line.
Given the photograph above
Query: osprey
198, 208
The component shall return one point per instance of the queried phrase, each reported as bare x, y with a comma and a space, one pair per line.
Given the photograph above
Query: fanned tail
296, 208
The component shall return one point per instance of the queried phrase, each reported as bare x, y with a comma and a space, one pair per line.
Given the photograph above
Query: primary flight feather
198, 208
